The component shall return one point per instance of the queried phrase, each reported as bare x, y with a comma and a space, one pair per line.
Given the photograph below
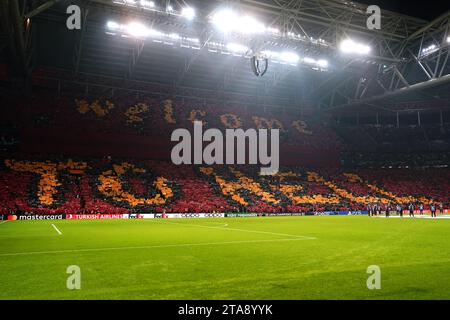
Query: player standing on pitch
399, 210
433, 210
411, 210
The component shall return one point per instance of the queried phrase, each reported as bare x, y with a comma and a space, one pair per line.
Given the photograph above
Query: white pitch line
222, 224
243, 230
415, 217
57, 230
4, 222
146, 247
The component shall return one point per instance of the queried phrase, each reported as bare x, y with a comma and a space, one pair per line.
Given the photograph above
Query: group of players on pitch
376, 209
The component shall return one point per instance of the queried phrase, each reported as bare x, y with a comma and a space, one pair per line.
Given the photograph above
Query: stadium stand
337, 168
119, 186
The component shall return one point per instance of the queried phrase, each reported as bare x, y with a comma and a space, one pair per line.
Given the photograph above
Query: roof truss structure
395, 66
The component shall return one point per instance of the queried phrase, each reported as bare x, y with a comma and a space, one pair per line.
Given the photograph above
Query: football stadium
224, 150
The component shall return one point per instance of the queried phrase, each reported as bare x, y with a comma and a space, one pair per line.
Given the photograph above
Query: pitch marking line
244, 230
4, 222
222, 224
57, 230
146, 247
415, 217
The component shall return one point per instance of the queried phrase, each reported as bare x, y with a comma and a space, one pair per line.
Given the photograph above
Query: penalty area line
179, 245
243, 230
57, 230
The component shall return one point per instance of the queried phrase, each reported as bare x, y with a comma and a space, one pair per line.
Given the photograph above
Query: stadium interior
92, 93
87, 114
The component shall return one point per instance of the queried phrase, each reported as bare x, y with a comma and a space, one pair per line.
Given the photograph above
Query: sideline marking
59, 232
145, 247
4, 222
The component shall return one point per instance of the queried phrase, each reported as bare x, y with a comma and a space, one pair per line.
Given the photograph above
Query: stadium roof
193, 53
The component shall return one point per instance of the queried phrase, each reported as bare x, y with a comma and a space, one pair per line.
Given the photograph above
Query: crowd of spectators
158, 116
380, 164
63, 185
392, 139
394, 160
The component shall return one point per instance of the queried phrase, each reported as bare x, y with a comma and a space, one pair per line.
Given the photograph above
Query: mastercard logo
12, 217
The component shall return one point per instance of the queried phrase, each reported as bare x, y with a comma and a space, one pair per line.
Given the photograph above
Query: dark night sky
425, 9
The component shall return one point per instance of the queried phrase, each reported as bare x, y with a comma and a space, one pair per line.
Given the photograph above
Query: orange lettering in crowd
48, 171
111, 186
84, 107
135, 114
354, 178
168, 112
263, 123
232, 188
231, 121
301, 127
193, 116
290, 192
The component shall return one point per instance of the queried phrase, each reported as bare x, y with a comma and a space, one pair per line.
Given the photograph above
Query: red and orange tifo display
118, 186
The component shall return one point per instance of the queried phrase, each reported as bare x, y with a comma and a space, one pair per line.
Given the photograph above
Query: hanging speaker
259, 66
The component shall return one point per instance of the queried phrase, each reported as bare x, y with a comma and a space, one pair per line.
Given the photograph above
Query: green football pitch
321, 257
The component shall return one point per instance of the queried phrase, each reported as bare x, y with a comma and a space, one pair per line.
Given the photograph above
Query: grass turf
235, 258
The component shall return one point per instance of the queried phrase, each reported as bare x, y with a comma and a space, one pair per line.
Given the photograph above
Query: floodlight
363, 49
146, 3
196, 40
155, 33
289, 57
272, 30
188, 13
429, 49
225, 20
448, 39
169, 8
322, 63
347, 46
249, 25
270, 54
174, 36
137, 30
309, 60
350, 46
112, 25
237, 48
